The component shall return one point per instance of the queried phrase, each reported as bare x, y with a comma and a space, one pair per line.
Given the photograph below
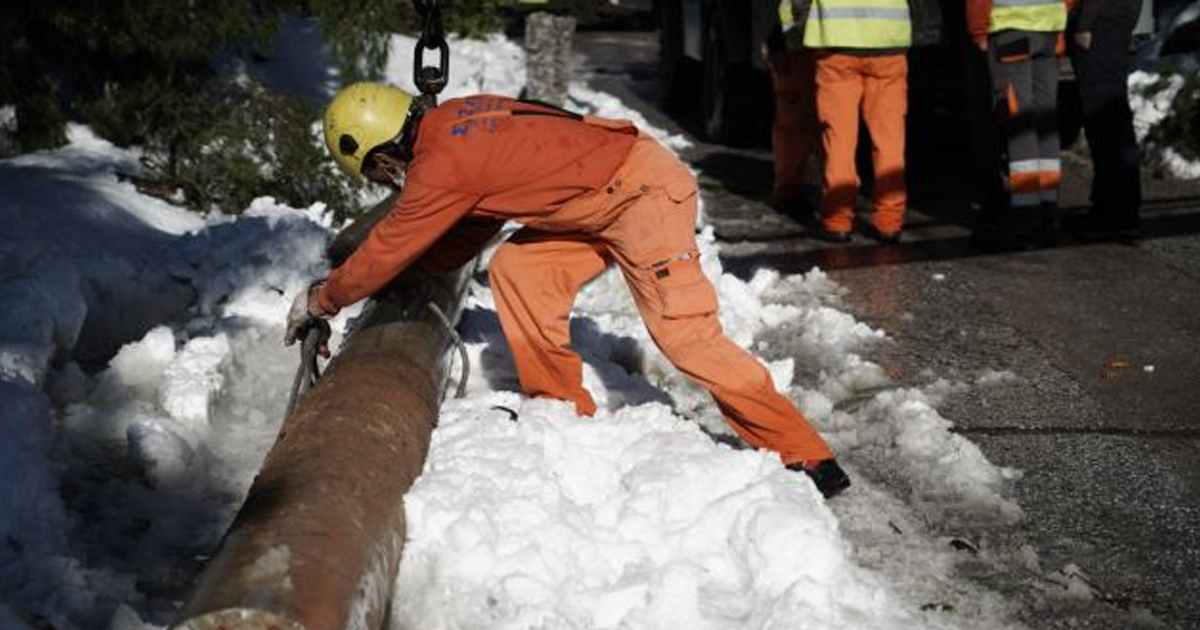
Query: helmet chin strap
399, 177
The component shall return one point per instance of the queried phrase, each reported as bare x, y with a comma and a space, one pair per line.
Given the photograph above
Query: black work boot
829, 478
985, 235
1099, 226
1047, 235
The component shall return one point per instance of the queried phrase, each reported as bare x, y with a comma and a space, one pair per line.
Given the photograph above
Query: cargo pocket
684, 290
679, 191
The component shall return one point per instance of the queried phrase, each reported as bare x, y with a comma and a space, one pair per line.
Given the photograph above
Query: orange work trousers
876, 86
794, 129
536, 275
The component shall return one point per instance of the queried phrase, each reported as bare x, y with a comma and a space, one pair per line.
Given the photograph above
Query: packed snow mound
631, 519
81, 255
172, 302
581, 97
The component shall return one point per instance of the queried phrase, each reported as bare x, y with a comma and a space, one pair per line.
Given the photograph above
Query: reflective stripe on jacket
991, 16
1042, 16
858, 24
791, 18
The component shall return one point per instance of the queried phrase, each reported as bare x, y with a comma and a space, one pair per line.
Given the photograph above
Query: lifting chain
431, 79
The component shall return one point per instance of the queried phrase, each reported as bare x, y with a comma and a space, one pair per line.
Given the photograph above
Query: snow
603, 525
142, 379
1151, 106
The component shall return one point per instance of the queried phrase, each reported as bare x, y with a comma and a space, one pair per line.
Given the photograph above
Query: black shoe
985, 236
1047, 234
829, 478
832, 237
1094, 227
887, 238
1019, 229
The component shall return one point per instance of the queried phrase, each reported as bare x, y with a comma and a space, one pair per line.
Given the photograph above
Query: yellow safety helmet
360, 118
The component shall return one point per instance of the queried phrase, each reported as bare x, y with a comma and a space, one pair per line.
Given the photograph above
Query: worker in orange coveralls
590, 193
794, 130
860, 48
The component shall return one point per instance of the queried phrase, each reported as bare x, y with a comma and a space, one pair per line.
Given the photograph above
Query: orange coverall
876, 86
590, 193
794, 129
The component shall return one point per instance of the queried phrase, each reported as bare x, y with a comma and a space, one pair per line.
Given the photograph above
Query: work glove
305, 314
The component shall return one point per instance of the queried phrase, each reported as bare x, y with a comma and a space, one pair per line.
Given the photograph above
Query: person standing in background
1022, 40
794, 127
1101, 34
988, 194
860, 49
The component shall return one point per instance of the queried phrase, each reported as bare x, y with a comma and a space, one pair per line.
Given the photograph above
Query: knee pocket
683, 289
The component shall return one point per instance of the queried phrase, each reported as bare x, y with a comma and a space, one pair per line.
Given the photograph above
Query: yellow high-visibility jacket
867, 24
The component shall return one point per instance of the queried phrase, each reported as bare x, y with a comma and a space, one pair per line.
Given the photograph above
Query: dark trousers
983, 135
1102, 75
1024, 70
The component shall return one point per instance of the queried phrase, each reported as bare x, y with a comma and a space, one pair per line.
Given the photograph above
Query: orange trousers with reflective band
875, 87
536, 275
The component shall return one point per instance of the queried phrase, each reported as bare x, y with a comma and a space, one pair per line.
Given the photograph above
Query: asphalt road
1104, 341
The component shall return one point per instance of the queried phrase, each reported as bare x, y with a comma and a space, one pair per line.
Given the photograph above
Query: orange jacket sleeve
422, 214
979, 19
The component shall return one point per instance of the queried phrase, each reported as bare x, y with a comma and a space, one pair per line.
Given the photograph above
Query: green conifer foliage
144, 73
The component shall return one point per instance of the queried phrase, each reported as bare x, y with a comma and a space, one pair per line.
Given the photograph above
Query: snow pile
947, 475
1151, 96
81, 268
88, 265
581, 97
633, 519
899, 432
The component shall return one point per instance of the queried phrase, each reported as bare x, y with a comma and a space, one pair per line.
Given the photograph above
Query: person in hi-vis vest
1022, 40
861, 66
1101, 38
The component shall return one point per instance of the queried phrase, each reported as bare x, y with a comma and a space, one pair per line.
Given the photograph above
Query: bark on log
317, 543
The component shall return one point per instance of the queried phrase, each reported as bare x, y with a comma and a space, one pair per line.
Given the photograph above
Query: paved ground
1104, 341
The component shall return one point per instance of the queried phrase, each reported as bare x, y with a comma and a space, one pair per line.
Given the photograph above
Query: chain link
430, 80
